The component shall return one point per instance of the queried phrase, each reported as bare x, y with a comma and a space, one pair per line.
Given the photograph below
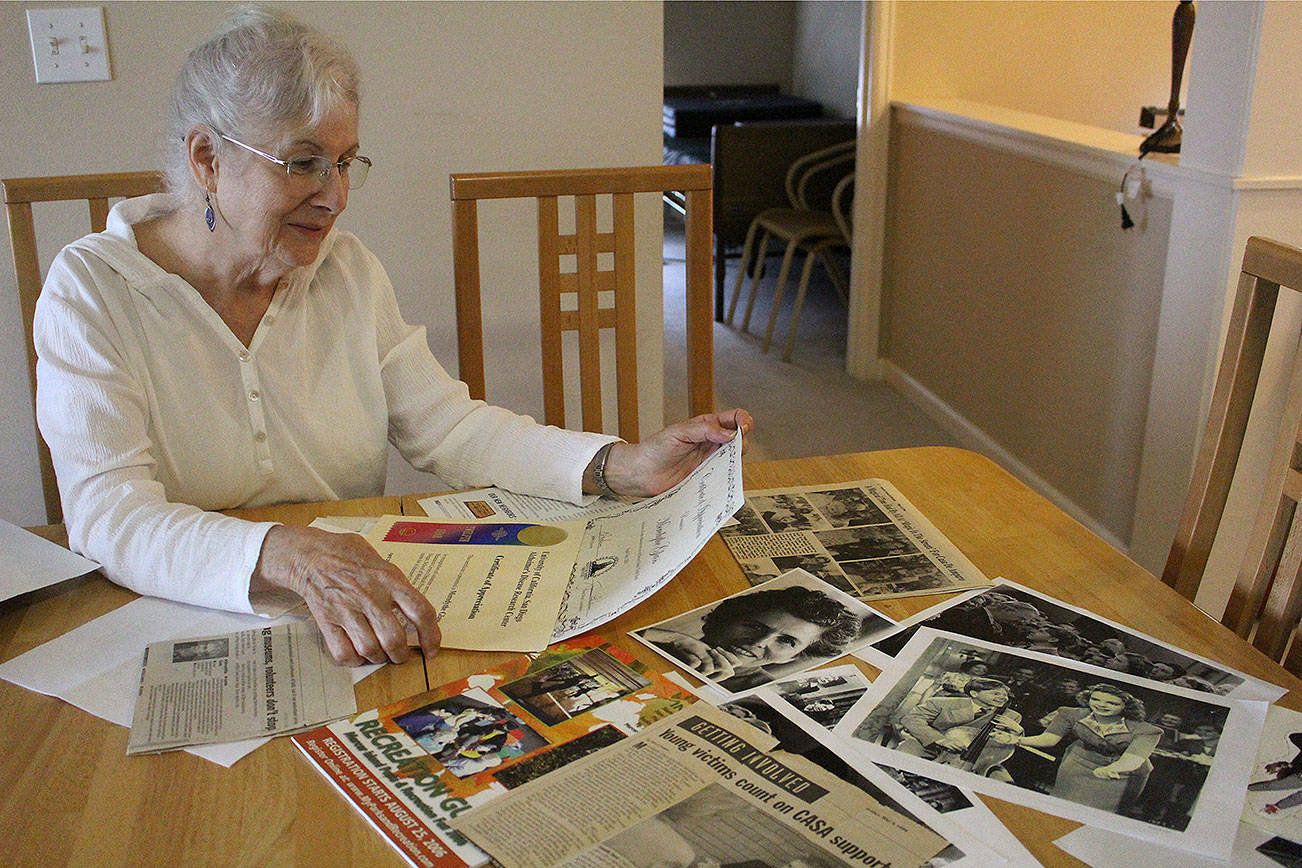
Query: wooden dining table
70, 795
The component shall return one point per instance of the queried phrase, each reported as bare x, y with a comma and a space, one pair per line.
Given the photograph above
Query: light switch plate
69, 44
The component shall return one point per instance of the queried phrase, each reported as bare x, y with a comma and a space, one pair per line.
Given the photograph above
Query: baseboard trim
972, 437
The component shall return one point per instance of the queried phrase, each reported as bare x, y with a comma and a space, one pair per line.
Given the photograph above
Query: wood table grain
69, 794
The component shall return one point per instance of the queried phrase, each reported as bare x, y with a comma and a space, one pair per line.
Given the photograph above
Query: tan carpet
808, 406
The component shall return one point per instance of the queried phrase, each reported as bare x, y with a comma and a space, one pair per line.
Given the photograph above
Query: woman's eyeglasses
352, 170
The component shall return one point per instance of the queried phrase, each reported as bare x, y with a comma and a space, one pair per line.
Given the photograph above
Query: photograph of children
862, 537
790, 624
574, 686
1013, 615
977, 715
469, 732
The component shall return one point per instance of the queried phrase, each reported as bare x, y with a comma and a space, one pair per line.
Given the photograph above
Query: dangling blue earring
208, 216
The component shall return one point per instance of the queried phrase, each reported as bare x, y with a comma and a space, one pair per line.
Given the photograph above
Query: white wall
1245, 179
825, 60
449, 86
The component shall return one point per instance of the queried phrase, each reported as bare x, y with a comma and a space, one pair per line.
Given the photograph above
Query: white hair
263, 72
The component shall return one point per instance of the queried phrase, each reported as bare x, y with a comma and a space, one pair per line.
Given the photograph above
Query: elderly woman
751, 639
1107, 762
224, 345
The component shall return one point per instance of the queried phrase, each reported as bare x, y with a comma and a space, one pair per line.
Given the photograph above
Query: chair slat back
1266, 601
571, 300
19, 195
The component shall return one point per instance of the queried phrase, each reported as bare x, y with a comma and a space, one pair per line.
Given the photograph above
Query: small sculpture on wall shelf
1166, 138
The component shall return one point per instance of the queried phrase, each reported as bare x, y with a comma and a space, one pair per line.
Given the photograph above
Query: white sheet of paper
31, 563
96, 667
633, 552
1102, 848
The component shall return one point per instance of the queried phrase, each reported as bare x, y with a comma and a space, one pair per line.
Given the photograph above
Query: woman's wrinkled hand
664, 459
355, 596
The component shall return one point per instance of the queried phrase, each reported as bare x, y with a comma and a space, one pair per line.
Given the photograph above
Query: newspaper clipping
411, 767
862, 537
254, 683
696, 787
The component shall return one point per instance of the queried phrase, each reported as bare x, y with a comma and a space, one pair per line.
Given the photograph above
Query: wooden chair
19, 195
805, 224
583, 286
1266, 602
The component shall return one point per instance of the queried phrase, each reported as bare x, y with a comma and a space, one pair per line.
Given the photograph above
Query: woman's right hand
354, 595
696, 655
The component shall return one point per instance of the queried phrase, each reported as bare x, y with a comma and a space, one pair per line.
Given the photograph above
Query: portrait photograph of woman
792, 623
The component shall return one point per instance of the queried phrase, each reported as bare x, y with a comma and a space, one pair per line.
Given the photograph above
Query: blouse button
261, 437
253, 395
244, 355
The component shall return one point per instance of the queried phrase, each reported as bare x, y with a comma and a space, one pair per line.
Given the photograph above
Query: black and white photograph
201, 649
861, 537
824, 695
573, 686
794, 739
783, 512
1081, 741
820, 565
792, 623
1012, 615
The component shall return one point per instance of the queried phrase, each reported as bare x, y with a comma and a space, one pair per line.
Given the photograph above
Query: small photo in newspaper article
863, 538
792, 623
573, 686
1079, 741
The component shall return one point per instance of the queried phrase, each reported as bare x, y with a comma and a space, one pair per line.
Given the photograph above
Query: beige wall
1090, 62
1015, 298
450, 86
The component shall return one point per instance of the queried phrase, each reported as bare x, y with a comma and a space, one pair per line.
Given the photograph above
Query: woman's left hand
1107, 773
664, 459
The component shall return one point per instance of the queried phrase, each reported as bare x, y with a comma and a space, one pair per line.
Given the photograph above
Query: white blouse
156, 414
